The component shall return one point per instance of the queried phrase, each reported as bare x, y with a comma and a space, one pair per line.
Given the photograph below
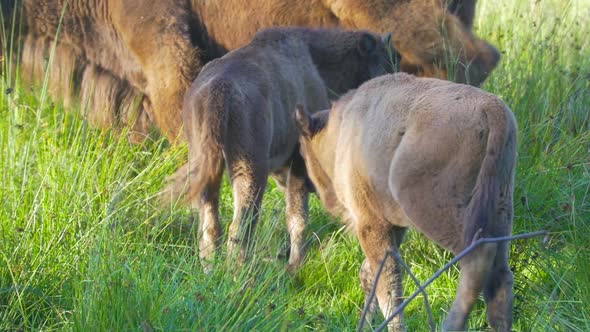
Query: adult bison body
239, 112
133, 60
433, 155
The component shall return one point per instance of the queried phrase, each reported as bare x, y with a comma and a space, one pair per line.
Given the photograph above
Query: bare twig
431, 322
421, 288
397, 256
457, 258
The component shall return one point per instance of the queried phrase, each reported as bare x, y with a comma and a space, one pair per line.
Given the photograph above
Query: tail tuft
206, 112
482, 210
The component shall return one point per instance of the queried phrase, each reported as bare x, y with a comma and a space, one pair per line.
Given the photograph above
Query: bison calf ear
367, 44
302, 119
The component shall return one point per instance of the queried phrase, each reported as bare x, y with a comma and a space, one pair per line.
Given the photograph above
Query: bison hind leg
210, 231
475, 270
248, 178
498, 291
247, 161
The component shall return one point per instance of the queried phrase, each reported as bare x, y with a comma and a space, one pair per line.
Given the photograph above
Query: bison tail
205, 116
497, 168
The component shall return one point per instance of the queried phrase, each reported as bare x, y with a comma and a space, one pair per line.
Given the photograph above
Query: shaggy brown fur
157, 47
422, 29
240, 110
112, 102
428, 154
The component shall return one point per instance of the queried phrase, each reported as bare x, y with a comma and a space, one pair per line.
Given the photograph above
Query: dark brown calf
238, 114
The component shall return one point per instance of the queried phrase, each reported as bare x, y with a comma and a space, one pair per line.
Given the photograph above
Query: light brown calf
428, 154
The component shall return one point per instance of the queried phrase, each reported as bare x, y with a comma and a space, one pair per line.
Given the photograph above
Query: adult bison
133, 60
428, 154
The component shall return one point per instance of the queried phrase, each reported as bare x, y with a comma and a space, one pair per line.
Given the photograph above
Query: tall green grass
83, 245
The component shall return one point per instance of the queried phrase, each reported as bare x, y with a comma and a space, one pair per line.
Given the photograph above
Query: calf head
318, 152
313, 134
346, 59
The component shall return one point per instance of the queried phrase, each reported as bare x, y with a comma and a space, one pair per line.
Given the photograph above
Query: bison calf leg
498, 291
248, 183
376, 238
367, 279
474, 270
297, 210
209, 227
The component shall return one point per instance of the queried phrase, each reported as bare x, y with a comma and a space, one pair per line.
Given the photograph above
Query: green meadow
84, 245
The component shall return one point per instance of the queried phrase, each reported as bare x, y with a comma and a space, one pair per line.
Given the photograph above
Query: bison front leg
376, 238
297, 210
161, 43
169, 74
368, 277
167, 106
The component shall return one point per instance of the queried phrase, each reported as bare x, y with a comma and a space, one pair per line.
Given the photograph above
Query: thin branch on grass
397, 256
447, 266
431, 322
421, 289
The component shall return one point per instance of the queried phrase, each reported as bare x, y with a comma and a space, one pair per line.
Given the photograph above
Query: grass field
83, 245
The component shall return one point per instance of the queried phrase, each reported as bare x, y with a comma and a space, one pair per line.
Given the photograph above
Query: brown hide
157, 47
422, 29
439, 157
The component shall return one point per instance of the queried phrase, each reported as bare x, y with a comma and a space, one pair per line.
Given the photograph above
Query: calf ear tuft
302, 119
367, 44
